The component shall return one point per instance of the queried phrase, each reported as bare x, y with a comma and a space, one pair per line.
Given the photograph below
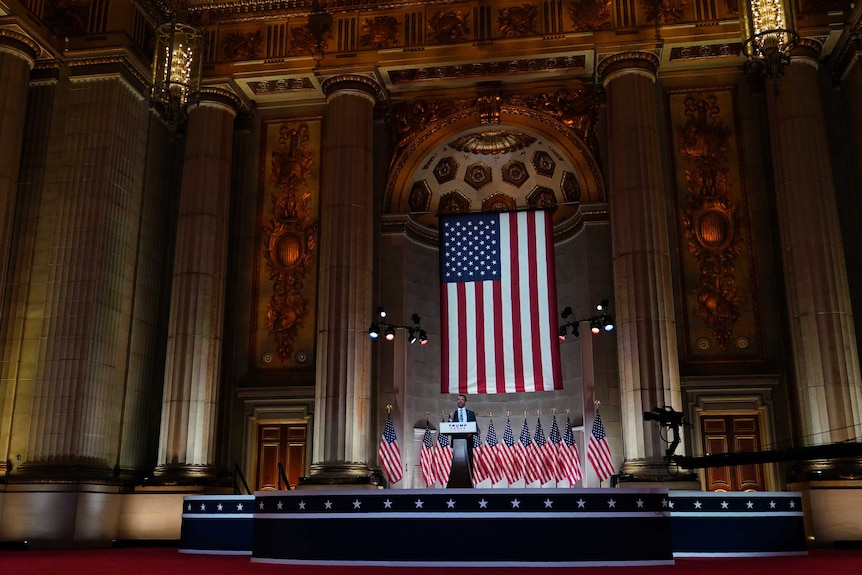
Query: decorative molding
268, 87
705, 51
624, 61
492, 68
358, 82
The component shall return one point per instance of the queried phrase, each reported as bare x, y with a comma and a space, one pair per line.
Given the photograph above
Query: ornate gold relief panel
721, 316
286, 256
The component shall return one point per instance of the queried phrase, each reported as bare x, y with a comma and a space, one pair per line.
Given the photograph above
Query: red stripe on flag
517, 312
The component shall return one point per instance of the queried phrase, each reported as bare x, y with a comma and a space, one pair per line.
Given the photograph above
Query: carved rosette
446, 27
710, 219
241, 46
379, 32
518, 21
290, 238
590, 15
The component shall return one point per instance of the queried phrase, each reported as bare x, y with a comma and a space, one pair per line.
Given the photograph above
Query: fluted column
646, 326
823, 339
192, 368
17, 58
342, 413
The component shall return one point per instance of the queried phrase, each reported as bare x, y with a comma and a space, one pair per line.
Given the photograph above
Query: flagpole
589, 406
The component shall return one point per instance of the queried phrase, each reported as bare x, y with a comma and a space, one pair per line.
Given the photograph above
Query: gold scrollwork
710, 218
290, 238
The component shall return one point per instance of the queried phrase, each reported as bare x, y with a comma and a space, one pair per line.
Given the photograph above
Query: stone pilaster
343, 434
822, 333
646, 326
193, 362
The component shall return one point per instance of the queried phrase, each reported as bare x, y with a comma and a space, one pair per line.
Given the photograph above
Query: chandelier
769, 36
177, 64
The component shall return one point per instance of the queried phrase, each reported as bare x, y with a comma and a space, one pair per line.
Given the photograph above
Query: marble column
68, 336
193, 362
17, 58
646, 325
822, 334
342, 427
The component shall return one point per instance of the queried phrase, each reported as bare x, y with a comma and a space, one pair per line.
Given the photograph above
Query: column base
657, 473
61, 472
341, 475
183, 474
838, 469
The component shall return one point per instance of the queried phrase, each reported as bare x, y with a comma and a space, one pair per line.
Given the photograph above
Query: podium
461, 473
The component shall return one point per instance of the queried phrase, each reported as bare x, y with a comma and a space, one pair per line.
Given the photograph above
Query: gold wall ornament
590, 15
710, 217
290, 237
576, 107
450, 26
518, 21
241, 45
664, 11
379, 32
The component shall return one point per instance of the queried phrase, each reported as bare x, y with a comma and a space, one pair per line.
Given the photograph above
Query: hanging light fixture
177, 64
769, 36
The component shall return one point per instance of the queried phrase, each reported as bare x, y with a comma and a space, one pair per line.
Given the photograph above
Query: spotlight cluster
382, 326
598, 323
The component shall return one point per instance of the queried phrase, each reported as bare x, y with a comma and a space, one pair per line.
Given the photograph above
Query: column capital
636, 62
357, 83
808, 49
20, 45
215, 97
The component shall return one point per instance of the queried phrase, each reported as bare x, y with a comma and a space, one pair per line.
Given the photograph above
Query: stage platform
505, 527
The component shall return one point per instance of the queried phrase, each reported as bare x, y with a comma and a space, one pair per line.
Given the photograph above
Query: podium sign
456, 427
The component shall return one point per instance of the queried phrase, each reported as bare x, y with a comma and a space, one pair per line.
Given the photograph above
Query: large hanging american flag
426, 458
389, 453
598, 451
498, 302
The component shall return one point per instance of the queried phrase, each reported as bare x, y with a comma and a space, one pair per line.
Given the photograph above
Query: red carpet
146, 561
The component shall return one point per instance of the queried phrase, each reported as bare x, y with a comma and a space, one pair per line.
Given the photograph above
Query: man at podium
462, 444
461, 413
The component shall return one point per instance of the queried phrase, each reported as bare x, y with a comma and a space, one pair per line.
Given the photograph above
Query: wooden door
283, 443
732, 434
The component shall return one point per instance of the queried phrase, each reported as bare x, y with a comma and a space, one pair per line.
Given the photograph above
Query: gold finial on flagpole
508, 414
538, 412
388, 408
490, 414
554, 411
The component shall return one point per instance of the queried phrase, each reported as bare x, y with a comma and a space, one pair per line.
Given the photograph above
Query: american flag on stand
493, 455
540, 455
426, 458
532, 465
552, 451
509, 456
480, 467
389, 453
570, 460
443, 458
598, 451
498, 303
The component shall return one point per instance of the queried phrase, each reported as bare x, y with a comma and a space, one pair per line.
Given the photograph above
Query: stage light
595, 325
423, 337
411, 335
563, 332
603, 305
607, 323
381, 312
374, 331
390, 333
